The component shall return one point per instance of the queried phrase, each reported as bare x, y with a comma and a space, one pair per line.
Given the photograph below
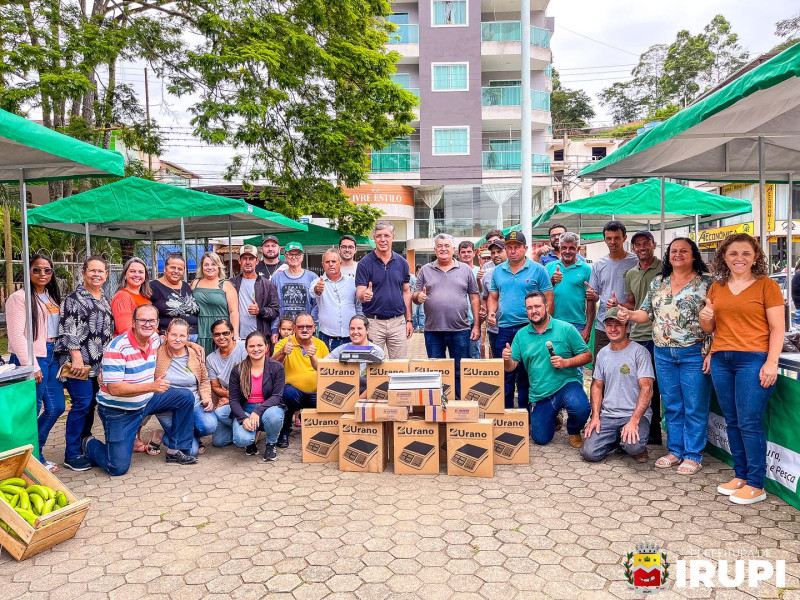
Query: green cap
293, 246
612, 314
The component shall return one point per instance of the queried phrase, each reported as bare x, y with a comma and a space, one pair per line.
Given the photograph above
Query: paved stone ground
235, 527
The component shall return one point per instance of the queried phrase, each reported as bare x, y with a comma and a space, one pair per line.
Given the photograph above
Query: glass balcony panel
405, 34
511, 160
512, 96
395, 162
511, 31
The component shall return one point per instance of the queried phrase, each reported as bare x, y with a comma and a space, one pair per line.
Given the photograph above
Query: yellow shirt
299, 372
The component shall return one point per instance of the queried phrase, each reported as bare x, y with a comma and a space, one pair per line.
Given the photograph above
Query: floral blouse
676, 319
86, 325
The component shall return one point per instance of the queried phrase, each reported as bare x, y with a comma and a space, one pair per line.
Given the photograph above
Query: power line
596, 41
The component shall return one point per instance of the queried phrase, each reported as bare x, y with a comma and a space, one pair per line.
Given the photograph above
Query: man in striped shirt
130, 392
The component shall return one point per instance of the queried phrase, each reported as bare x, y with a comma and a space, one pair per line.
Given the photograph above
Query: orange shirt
122, 306
742, 319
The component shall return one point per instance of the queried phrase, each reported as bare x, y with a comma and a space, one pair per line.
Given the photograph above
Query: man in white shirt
336, 299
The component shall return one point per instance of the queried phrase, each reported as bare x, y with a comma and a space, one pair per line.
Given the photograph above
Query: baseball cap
646, 234
515, 236
292, 246
612, 314
269, 238
499, 243
248, 249
484, 253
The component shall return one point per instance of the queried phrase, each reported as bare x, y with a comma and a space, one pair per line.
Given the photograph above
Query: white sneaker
734, 485
748, 495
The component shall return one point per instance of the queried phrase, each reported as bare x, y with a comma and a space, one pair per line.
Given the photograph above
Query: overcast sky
595, 44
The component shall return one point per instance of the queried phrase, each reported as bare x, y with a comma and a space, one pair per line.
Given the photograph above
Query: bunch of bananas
30, 501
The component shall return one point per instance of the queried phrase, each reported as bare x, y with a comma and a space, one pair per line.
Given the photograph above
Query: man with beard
347, 250
546, 254
497, 250
258, 296
569, 277
554, 351
272, 262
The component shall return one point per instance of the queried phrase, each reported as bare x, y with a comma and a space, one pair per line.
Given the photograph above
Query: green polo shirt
569, 296
529, 347
637, 283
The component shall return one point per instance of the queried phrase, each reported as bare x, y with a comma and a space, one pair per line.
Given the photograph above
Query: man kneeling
621, 393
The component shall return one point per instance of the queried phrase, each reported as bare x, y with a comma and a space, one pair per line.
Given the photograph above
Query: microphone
550, 348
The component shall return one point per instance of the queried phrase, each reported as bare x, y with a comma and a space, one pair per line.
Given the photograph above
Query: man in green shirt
637, 286
569, 277
552, 352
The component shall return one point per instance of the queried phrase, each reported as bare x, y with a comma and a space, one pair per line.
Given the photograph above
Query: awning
316, 239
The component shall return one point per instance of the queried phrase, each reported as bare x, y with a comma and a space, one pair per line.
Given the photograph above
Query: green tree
620, 98
302, 91
687, 58
569, 108
728, 54
789, 29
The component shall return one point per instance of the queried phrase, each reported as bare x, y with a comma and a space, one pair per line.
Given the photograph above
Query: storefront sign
770, 207
733, 187
713, 236
381, 194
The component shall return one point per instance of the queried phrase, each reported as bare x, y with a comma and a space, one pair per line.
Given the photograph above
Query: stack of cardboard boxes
428, 426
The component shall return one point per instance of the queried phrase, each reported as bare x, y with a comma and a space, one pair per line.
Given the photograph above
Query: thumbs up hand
367, 296
423, 295
707, 313
612, 302
557, 277
591, 293
507, 352
320, 287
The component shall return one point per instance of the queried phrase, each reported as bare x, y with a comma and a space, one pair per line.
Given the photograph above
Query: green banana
14, 501
27, 515
61, 499
37, 503
24, 500
17, 481
48, 506
7, 488
42, 490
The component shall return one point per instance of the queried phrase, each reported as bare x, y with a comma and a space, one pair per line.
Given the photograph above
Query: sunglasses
221, 334
45, 270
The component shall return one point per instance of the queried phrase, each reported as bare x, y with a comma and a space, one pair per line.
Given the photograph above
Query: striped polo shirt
125, 362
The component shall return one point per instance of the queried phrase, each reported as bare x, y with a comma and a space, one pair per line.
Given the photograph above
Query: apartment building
460, 170
568, 155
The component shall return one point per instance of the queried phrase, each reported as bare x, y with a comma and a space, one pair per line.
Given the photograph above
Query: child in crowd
286, 329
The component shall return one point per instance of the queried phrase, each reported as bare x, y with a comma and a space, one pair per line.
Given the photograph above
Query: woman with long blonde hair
216, 297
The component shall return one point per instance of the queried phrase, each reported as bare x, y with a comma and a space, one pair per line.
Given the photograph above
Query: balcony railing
511, 31
405, 34
395, 162
512, 96
511, 160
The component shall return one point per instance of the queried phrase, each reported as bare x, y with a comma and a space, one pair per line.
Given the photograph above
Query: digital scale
359, 354
482, 393
469, 457
506, 444
337, 393
416, 454
381, 391
359, 452
322, 444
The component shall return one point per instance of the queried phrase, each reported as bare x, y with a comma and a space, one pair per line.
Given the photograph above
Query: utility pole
526, 193
564, 181
147, 116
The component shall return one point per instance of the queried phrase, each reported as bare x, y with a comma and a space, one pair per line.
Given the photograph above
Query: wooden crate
49, 530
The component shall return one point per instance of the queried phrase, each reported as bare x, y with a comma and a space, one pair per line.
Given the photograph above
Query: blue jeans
685, 394
295, 400
743, 402
597, 446
518, 377
271, 423
205, 423
49, 396
84, 397
121, 427
332, 343
543, 413
439, 343
418, 317
474, 345
655, 422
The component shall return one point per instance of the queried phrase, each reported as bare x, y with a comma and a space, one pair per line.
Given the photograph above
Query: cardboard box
416, 448
337, 386
320, 436
511, 437
456, 411
378, 377
483, 381
419, 397
470, 449
362, 446
415, 389
445, 366
370, 412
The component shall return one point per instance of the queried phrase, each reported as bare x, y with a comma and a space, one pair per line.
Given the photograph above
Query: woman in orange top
744, 309
133, 291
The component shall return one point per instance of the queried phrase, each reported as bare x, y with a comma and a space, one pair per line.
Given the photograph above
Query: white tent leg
762, 196
697, 229
88, 240
183, 245
789, 239
663, 210
26, 269
526, 193
230, 249
153, 254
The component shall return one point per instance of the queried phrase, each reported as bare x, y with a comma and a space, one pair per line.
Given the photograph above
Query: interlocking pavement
236, 527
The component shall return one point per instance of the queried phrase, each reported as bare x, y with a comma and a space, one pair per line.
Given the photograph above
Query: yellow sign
770, 207
733, 187
713, 236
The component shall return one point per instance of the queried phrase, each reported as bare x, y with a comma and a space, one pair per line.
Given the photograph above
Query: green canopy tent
538, 235
30, 152
639, 207
139, 209
316, 239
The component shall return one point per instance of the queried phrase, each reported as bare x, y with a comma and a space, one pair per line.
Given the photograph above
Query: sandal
689, 467
667, 462
139, 445
200, 447
51, 466
153, 446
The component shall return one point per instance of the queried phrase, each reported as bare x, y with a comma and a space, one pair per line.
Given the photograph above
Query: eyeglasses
147, 322
96, 271
304, 326
221, 334
45, 270
347, 247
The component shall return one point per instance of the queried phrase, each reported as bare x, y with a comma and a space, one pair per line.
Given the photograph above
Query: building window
402, 79
598, 152
450, 77
558, 197
558, 155
450, 141
398, 18
449, 12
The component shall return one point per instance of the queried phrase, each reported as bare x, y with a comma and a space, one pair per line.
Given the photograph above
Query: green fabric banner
782, 422
18, 416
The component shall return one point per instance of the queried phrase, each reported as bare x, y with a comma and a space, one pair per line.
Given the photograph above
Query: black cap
646, 234
269, 238
515, 236
499, 243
